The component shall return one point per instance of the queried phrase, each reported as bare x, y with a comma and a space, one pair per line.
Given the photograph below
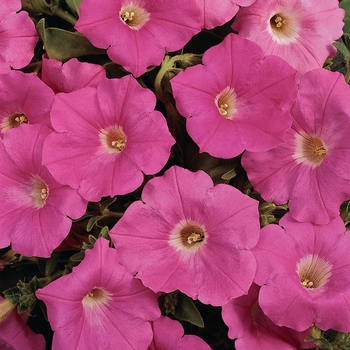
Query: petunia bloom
16, 335
110, 136
137, 33
215, 13
311, 168
237, 100
71, 75
18, 36
24, 99
303, 271
35, 208
301, 32
254, 330
99, 305
168, 334
189, 235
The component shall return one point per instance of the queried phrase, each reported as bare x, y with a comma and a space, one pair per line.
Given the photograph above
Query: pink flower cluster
71, 135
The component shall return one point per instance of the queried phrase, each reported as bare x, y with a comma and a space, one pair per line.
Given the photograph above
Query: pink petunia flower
16, 335
215, 13
301, 32
34, 206
18, 36
24, 98
137, 33
99, 305
168, 334
237, 99
311, 168
189, 235
254, 330
304, 273
107, 138
71, 75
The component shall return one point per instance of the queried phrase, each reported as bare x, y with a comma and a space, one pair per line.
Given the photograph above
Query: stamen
134, 16
195, 237
226, 102
13, 121
113, 139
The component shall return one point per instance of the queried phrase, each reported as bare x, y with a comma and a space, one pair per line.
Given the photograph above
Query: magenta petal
168, 334
16, 335
70, 76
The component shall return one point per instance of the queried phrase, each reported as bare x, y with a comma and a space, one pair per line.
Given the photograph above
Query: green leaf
62, 44
185, 310
229, 175
340, 46
52, 263
107, 203
78, 257
92, 222
74, 6
345, 4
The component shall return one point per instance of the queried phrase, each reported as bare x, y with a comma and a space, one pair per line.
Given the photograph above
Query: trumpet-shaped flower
18, 36
311, 168
34, 206
137, 33
189, 235
237, 100
24, 99
99, 305
254, 330
108, 136
303, 271
301, 32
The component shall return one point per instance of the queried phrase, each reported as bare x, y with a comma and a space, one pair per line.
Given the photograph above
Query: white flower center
96, 297
12, 121
283, 28
313, 271
134, 16
113, 139
187, 235
309, 149
226, 102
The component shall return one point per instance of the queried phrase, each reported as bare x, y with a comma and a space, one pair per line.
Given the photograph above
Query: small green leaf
52, 263
229, 175
78, 257
185, 310
345, 4
92, 222
107, 203
340, 46
104, 233
62, 44
92, 239
74, 6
